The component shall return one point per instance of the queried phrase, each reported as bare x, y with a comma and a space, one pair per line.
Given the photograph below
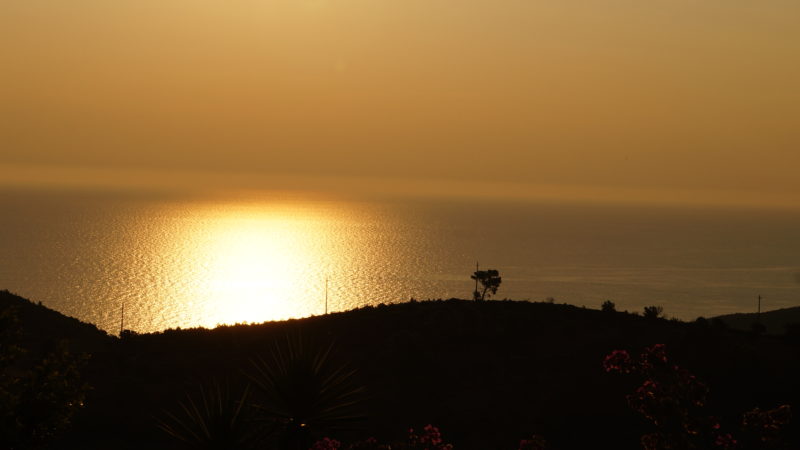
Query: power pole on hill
122, 320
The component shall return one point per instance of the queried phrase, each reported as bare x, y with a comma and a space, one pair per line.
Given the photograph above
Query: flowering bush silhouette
669, 397
536, 442
429, 439
764, 427
672, 399
369, 444
326, 444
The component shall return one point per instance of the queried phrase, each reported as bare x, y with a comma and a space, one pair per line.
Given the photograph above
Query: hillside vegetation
778, 321
486, 373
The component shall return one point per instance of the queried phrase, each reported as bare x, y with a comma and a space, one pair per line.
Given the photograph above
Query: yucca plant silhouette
301, 394
212, 420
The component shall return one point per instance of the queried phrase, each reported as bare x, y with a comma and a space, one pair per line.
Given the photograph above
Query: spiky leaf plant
212, 420
303, 394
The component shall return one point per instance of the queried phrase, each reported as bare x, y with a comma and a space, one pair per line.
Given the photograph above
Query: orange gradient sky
661, 99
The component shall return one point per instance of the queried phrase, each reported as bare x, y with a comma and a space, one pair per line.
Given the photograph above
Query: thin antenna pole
759, 306
476, 279
326, 295
122, 320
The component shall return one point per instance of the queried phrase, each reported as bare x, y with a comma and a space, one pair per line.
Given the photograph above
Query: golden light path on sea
255, 263
251, 263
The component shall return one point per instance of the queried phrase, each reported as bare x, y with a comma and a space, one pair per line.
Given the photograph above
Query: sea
149, 262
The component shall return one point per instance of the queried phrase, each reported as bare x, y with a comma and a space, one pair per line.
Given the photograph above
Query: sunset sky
620, 99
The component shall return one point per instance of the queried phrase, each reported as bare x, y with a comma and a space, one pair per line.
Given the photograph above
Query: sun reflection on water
257, 263
210, 263
255, 269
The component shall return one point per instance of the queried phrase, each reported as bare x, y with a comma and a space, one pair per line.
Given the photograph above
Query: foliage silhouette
763, 429
302, 394
488, 372
39, 395
429, 438
214, 420
536, 442
608, 306
489, 279
674, 401
653, 312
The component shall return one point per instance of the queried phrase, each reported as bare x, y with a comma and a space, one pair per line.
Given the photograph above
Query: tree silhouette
653, 312
40, 391
490, 281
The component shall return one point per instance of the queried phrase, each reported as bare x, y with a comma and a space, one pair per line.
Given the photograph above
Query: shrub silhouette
536, 442
213, 420
673, 400
653, 312
608, 306
297, 395
39, 395
302, 395
429, 438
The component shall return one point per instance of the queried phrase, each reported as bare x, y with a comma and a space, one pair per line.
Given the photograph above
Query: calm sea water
182, 262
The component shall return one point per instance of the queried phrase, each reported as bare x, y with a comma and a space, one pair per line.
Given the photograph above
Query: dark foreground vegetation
487, 374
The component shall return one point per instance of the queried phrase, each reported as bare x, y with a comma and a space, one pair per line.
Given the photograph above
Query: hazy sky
607, 96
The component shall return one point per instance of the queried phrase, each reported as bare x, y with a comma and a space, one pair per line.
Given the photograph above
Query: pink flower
534, 443
326, 444
655, 354
725, 441
618, 361
430, 439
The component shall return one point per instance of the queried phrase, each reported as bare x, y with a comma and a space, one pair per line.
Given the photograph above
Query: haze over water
192, 261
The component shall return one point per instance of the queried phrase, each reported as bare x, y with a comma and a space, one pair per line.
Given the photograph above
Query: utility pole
759, 307
122, 320
326, 295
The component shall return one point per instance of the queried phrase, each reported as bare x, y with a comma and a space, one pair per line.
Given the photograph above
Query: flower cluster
653, 441
767, 424
618, 361
369, 444
725, 442
326, 444
653, 357
536, 442
670, 397
429, 439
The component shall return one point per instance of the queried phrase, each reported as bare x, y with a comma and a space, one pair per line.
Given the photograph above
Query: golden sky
600, 96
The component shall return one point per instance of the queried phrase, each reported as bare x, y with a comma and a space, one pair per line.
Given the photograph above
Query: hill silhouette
42, 325
775, 321
486, 373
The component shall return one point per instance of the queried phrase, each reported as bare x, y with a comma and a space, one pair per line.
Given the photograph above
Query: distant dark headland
778, 321
487, 373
